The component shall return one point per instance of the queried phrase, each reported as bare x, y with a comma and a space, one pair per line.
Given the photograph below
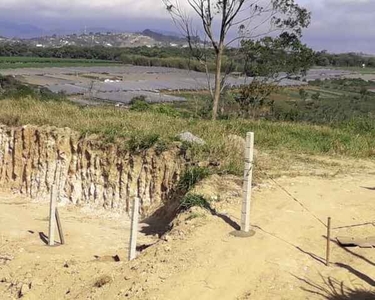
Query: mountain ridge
147, 38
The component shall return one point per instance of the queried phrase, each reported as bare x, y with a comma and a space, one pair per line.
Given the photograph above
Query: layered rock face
86, 172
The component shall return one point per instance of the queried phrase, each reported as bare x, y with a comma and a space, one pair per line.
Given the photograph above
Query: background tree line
170, 56
325, 59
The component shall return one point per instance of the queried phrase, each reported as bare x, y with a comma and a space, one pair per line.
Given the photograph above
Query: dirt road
199, 259
23, 230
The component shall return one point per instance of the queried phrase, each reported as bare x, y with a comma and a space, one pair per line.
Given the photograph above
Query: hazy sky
337, 25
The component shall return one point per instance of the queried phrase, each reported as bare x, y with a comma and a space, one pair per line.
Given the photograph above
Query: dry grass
148, 128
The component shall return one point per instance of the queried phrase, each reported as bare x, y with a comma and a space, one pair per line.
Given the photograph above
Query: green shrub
139, 103
191, 177
126, 59
193, 200
19, 91
166, 110
11, 88
303, 94
136, 99
316, 96
161, 146
141, 141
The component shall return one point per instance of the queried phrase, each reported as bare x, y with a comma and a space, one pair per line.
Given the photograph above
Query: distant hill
10, 30
163, 37
166, 32
94, 37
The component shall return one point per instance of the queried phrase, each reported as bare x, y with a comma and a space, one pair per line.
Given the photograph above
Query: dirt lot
93, 238
199, 259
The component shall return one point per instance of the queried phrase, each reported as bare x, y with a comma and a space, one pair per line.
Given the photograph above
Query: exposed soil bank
86, 172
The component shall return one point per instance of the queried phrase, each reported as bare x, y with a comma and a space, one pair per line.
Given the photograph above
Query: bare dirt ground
199, 259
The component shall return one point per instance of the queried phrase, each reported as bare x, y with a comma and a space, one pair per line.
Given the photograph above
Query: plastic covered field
122, 83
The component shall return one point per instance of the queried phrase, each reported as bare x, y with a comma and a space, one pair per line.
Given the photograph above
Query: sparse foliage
316, 96
303, 94
254, 96
139, 103
193, 200
270, 60
252, 19
191, 177
270, 57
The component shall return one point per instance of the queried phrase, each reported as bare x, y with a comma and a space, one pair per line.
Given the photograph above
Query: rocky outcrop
87, 172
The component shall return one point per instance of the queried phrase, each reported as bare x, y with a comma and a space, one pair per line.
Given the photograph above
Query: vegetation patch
193, 200
191, 177
16, 62
142, 141
158, 125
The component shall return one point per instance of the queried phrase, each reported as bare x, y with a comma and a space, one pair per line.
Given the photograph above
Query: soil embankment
87, 172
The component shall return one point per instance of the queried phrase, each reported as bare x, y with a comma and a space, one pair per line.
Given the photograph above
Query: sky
337, 25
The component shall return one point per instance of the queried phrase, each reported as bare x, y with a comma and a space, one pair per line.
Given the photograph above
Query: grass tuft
140, 142
191, 177
193, 200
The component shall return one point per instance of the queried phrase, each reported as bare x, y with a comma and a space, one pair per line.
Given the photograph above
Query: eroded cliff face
86, 172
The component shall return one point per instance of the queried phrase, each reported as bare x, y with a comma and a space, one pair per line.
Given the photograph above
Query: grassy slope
143, 127
38, 62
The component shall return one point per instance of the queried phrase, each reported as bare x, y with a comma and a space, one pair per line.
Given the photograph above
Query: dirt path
23, 238
288, 249
199, 259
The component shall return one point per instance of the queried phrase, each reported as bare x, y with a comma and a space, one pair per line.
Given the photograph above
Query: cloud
337, 25
87, 8
341, 25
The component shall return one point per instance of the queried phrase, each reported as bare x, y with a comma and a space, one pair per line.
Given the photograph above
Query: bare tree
227, 21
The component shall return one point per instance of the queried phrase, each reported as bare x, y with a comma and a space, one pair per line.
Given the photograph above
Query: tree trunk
217, 84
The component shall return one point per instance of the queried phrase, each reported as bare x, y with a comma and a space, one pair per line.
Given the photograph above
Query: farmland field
39, 62
120, 84
358, 69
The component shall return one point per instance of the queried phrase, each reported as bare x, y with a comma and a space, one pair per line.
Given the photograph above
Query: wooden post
134, 230
328, 250
247, 184
59, 227
57, 188
52, 217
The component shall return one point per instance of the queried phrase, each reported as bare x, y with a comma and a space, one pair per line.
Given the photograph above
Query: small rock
190, 138
37, 282
235, 143
102, 281
167, 249
25, 288
6, 258
127, 277
167, 238
70, 263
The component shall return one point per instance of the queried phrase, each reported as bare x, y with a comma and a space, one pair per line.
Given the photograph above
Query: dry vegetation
140, 130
